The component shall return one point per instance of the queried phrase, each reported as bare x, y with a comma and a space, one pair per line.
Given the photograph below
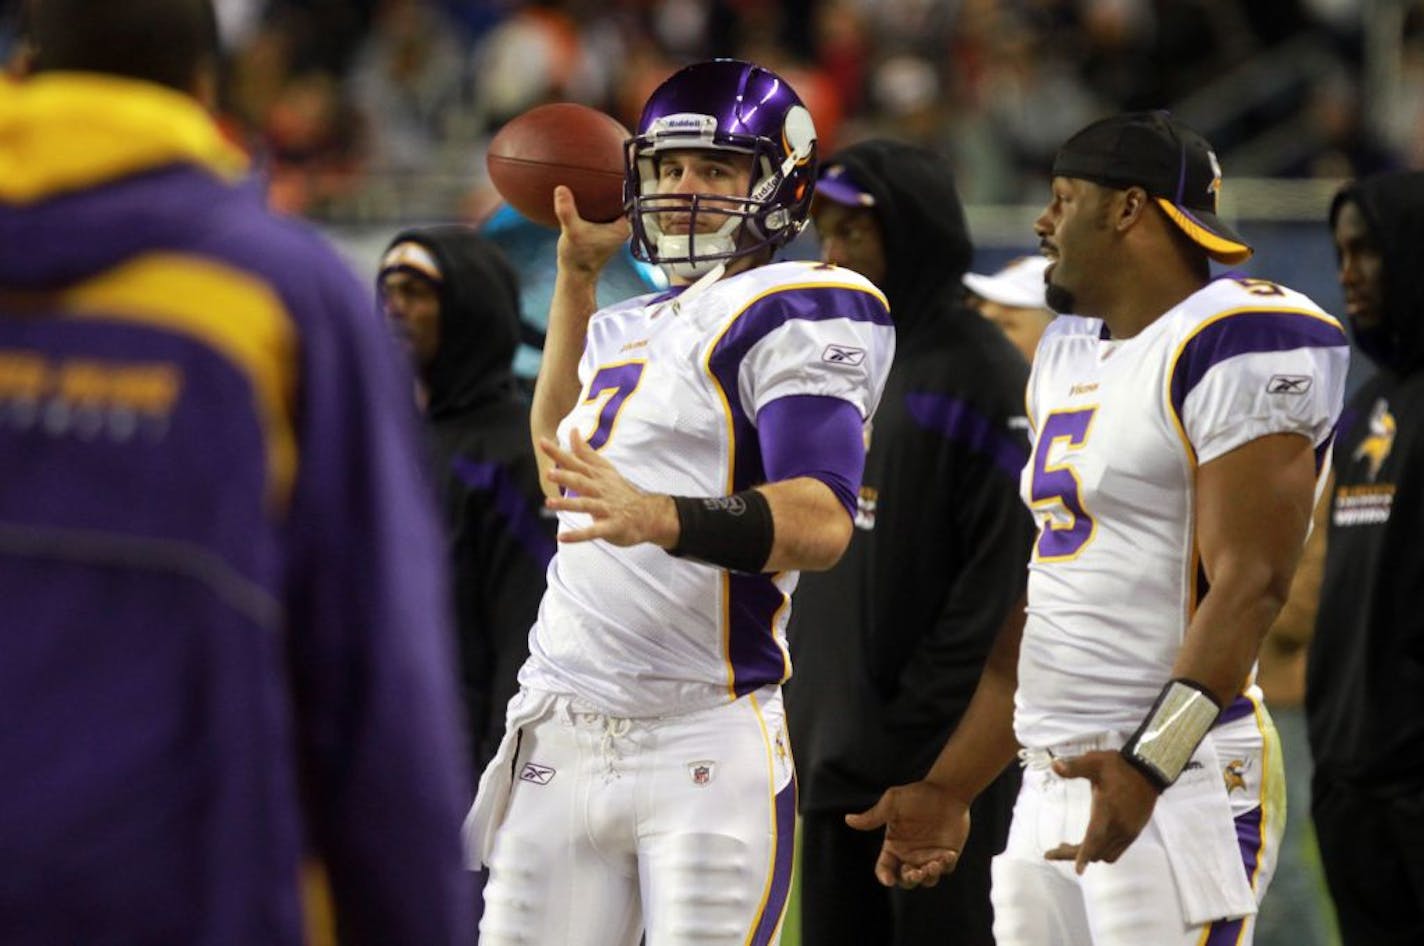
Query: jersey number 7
618, 382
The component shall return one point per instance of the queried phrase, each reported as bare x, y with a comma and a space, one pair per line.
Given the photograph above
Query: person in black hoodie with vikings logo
453, 299
890, 643
1365, 680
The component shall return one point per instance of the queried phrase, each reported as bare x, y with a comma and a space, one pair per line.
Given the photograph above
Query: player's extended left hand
622, 514
925, 830
1122, 804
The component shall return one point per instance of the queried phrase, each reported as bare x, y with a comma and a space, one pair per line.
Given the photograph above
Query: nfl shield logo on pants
701, 772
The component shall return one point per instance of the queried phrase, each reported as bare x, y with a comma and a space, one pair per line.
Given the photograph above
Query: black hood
1393, 208
927, 246
479, 319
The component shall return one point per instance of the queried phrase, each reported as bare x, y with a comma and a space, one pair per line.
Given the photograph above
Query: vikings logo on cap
1214, 188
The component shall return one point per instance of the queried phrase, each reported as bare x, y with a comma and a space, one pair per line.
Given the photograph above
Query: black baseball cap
1173, 163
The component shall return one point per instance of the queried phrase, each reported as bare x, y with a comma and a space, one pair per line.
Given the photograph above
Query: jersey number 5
1055, 488
617, 381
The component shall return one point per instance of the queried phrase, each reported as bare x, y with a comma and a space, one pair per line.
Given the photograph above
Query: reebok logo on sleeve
843, 355
1288, 384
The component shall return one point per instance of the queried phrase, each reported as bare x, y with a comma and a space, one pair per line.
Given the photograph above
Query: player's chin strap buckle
1177, 723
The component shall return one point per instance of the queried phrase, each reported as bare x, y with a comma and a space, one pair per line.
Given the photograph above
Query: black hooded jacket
500, 540
1365, 679
888, 645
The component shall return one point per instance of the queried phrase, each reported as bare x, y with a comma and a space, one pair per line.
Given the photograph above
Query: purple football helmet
722, 105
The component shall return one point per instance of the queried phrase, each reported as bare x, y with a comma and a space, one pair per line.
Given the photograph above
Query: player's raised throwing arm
584, 249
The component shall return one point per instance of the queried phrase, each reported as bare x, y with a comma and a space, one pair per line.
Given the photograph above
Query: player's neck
731, 267
1142, 301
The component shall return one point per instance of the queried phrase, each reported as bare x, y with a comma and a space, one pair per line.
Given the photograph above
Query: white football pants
1146, 897
679, 825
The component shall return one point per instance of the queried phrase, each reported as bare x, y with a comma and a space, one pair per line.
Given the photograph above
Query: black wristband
733, 532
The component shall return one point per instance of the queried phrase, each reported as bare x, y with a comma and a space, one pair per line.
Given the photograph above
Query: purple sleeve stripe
521, 521
1243, 333
816, 436
958, 421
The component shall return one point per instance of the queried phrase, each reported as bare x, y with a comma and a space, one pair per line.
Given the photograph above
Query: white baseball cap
1019, 284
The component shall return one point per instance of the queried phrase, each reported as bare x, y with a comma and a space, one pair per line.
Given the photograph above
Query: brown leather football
561, 143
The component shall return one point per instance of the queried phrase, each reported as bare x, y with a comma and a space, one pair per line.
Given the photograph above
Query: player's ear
1129, 208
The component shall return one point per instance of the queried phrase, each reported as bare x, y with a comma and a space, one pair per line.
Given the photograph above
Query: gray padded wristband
1177, 723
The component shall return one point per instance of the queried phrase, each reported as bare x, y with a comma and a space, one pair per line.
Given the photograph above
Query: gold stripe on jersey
776, 617
231, 312
1273, 790
723, 578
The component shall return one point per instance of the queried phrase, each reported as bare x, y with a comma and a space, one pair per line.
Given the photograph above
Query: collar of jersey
65, 131
704, 282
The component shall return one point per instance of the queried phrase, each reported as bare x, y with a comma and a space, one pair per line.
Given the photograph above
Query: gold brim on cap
1219, 248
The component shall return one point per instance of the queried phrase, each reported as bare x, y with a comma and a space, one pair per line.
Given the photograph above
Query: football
561, 143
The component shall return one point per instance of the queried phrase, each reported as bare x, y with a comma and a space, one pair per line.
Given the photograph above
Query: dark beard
1060, 300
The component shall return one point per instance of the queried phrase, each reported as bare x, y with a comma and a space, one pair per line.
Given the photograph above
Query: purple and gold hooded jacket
223, 640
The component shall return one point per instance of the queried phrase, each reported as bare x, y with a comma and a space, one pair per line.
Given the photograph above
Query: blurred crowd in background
379, 110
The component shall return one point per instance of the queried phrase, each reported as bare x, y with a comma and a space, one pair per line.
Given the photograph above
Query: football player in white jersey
1181, 424
700, 446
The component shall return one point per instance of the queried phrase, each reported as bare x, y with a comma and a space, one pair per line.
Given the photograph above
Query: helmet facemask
774, 208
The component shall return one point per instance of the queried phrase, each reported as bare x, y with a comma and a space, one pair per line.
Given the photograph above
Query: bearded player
1180, 425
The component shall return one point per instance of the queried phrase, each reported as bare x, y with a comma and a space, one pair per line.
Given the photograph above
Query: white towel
1194, 817
492, 797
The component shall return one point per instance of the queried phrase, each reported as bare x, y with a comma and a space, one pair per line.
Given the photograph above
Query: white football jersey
672, 385
1120, 427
